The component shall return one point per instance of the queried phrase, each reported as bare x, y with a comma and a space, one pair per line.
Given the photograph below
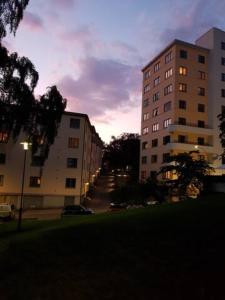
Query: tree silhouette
222, 130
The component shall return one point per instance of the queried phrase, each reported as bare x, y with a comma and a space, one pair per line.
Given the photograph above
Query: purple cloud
65, 4
104, 85
32, 21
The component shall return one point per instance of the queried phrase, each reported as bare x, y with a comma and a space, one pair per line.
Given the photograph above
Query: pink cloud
32, 21
104, 85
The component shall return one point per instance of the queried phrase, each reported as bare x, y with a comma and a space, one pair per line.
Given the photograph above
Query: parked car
7, 212
117, 206
72, 210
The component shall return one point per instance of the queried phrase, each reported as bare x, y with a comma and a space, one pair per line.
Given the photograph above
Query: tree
123, 153
11, 13
19, 110
222, 130
190, 172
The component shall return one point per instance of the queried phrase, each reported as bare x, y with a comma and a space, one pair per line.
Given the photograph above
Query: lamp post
25, 148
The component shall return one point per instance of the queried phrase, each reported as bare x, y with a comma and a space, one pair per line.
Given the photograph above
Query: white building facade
66, 174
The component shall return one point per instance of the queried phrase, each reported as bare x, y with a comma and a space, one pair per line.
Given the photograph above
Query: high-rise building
73, 163
183, 93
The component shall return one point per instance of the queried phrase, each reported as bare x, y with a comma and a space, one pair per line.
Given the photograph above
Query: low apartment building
182, 95
74, 158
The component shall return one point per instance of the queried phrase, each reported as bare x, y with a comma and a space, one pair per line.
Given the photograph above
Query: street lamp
25, 148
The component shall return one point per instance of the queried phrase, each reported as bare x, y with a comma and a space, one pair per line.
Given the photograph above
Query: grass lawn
170, 251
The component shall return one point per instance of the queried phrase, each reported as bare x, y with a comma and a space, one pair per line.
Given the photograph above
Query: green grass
170, 251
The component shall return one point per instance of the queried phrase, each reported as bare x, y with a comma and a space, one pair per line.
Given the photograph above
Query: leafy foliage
11, 13
123, 152
188, 171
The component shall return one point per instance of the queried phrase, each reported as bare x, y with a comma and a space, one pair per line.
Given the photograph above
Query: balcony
189, 128
189, 146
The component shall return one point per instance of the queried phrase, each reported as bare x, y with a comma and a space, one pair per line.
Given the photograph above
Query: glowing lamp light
25, 145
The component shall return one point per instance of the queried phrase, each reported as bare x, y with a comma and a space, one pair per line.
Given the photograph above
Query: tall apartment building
73, 162
183, 92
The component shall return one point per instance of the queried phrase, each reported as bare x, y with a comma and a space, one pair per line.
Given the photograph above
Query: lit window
155, 112
71, 162
183, 71
168, 73
155, 127
70, 183
35, 181
147, 88
3, 137
157, 81
74, 123
156, 67
168, 89
1, 180
168, 57
167, 122
73, 142
182, 104
201, 91
155, 97
182, 87
201, 59
167, 106
144, 145
145, 116
145, 130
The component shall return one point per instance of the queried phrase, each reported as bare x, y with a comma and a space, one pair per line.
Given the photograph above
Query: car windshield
4, 208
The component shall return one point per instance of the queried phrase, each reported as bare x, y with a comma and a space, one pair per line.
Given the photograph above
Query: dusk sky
93, 50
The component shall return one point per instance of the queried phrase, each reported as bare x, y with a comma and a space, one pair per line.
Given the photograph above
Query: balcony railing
190, 143
191, 125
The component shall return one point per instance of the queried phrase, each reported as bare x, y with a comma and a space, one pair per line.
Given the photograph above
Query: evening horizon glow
94, 50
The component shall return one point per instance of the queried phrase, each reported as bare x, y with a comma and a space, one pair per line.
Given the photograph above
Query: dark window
147, 74
223, 160
201, 107
35, 181
153, 174
182, 87
223, 45
37, 161
73, 142
201, 124
168, 57
167, 106
155, 97
181, 138
182, 121
201, 141
182, 104
166, 157
222, 92
166, 139
70, 182
144, 160
154, 143
155, 112
202, 75
183, 54
223, 76
222, 108
223, 61
168, 89
71, 162
201, 91
75, 123
145, 102
2, 158
1, 180
154, 158
144, 145
201, 59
